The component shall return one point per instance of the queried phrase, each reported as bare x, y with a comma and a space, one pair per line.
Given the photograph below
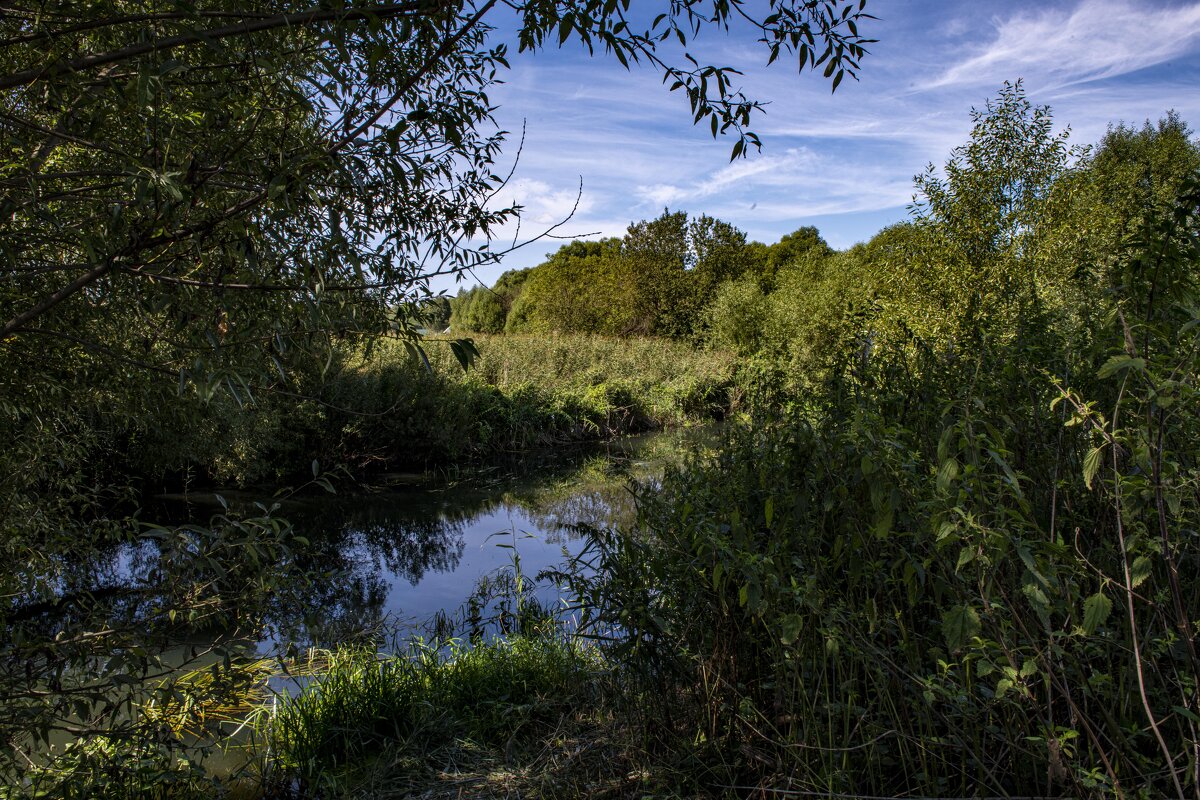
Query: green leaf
1037, 598
1140, 570
1095, 611
465, 352
1186, 714
965, 556
1119, 364
1091, 465
946, 474
790, 628
959, 625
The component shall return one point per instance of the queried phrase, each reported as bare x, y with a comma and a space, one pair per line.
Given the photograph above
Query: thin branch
310, 17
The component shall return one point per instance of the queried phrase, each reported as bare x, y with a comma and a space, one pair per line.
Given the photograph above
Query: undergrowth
372, 725
380, 406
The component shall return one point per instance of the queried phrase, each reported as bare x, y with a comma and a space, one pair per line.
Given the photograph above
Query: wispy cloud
844, 161
798, 182
1096, 39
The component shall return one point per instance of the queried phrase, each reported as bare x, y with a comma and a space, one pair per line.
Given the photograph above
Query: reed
365, 718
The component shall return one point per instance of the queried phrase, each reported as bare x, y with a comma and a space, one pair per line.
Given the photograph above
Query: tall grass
523, 392
668, 381
378, 407
369, 720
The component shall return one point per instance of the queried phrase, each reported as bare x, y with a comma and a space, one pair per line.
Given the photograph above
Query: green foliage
983, 219
483, 310
404, 714
584, 287
434, 313
378, 408
799, 245
659, 258
654, 281
734, 320
955, 564
477, 310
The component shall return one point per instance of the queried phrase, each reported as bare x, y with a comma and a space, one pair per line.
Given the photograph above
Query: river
406, 554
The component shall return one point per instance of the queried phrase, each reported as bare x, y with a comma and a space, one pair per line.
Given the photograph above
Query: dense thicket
660, 279
956, 554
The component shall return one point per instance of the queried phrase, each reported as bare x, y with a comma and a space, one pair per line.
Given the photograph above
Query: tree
982, 220
584, 287
792, 249
435, 312
677, 265
483, 310
658, 258
1132, 175
719, 250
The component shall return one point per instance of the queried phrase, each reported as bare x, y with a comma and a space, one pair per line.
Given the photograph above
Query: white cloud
1097, 39
768, 170
544, 204
844, 160
798, 182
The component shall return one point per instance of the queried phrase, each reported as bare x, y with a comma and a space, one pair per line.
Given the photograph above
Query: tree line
660, 279
1001, 233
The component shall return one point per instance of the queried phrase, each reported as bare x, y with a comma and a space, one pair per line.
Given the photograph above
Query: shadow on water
370, 563
403, 550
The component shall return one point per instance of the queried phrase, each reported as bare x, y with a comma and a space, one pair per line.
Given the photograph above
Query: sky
615, 147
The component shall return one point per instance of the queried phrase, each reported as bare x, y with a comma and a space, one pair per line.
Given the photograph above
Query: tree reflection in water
367, 551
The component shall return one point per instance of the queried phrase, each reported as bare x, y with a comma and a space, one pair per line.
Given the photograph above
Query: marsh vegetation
944, 544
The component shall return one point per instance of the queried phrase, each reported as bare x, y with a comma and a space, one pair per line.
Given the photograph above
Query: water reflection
388, 556
424, 548
351, 566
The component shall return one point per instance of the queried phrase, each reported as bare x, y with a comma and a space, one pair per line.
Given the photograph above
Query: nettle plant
1142, 461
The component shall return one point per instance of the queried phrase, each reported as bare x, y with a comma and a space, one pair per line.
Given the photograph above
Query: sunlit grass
365, 717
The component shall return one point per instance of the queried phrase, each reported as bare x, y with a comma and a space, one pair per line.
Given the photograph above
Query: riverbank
383, 408
536, 714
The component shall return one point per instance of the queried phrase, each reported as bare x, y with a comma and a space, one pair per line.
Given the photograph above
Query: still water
405, 549
387, 558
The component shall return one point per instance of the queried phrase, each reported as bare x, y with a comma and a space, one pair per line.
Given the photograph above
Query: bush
952, 580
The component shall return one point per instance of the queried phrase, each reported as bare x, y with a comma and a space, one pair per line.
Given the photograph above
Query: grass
435, 718
524, 392
669, 382
379, 408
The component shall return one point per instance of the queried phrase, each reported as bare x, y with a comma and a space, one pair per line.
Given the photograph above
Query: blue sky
843, 161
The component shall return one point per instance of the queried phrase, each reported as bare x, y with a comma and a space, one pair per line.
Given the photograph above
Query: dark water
388, 559
400, 553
